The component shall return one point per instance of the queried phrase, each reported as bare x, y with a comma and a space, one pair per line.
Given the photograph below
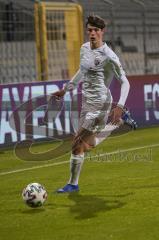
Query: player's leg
109, 128
82, 142
104, 133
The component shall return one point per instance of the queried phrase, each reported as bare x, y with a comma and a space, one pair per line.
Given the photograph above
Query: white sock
76, 162
100, 137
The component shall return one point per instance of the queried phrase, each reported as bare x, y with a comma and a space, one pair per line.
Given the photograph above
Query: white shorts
93, 117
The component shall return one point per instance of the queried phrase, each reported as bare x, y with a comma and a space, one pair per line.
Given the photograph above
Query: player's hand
116, 114
58, 95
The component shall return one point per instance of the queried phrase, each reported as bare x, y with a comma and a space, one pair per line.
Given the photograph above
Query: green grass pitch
118, 198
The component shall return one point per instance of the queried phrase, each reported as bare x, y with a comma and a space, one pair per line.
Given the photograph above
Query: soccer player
98, 65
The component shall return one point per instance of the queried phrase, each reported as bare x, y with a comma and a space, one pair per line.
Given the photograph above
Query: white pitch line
64, 162
32, 168
125, 150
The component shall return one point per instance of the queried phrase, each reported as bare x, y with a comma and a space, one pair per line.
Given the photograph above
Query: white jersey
97, 69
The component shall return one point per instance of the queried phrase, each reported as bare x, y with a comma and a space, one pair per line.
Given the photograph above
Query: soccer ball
34, 195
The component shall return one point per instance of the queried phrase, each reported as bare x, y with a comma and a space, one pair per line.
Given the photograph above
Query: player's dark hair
95, 21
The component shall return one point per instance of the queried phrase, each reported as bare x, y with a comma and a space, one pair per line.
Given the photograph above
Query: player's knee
81, 148
87, 147
77, 147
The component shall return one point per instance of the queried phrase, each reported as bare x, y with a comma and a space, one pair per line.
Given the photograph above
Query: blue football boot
68, 189
126, 117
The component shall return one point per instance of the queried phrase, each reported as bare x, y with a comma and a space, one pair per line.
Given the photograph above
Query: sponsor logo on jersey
97, 61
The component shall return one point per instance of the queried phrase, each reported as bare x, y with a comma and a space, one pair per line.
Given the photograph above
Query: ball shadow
33, 210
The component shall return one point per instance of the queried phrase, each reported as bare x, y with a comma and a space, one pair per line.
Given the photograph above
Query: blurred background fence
17, 43
41, 41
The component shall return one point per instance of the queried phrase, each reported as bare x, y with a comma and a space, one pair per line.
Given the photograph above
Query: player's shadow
146, 186
88, 206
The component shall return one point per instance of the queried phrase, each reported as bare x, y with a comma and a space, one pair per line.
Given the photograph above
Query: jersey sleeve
73, 83
121, 77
